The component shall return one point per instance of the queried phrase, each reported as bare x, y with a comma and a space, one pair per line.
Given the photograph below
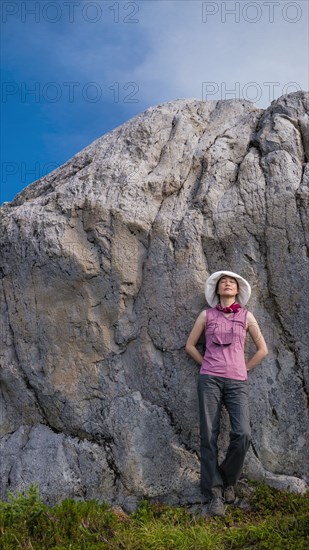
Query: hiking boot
216, 507
229, 494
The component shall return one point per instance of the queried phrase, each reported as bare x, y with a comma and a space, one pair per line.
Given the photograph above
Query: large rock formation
103, 264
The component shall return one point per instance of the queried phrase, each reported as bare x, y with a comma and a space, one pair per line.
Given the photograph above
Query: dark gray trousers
213, 392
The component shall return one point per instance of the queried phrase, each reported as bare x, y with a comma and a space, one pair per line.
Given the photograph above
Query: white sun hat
244, 289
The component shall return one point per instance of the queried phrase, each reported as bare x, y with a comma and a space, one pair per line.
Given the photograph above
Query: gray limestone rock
103, 264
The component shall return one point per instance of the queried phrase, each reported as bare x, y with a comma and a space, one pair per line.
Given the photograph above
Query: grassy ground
271, 520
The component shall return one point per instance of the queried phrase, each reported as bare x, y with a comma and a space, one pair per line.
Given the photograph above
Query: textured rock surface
103, 264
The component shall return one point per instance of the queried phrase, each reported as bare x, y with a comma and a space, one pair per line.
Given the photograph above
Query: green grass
273, 520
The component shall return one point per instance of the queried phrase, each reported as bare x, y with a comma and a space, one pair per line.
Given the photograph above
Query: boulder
103, 264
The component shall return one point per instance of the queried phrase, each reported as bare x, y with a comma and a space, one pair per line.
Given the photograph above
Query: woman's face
227, 286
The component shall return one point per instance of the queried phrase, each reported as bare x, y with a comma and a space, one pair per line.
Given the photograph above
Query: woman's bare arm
257, 337
199, 327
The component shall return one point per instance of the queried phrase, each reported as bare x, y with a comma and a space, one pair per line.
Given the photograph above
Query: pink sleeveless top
225, 342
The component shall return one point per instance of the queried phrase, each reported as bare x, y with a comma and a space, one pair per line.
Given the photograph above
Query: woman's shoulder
203, 314
250, 315
211, 312
201, 319
207, 313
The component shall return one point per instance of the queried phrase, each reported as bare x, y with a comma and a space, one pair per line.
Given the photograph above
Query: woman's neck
226, 302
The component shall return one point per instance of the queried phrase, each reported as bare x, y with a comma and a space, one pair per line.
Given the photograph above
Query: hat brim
244, 289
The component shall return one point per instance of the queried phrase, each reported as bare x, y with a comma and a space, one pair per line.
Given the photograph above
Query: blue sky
72, 70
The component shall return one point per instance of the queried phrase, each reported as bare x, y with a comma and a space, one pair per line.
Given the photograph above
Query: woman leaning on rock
223, 380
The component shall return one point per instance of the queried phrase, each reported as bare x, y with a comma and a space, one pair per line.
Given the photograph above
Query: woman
223, 380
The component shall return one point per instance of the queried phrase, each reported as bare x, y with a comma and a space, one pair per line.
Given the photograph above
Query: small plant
23, 513
23, 509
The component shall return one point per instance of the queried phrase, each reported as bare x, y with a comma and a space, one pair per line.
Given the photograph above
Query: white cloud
186, 52
171, 51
